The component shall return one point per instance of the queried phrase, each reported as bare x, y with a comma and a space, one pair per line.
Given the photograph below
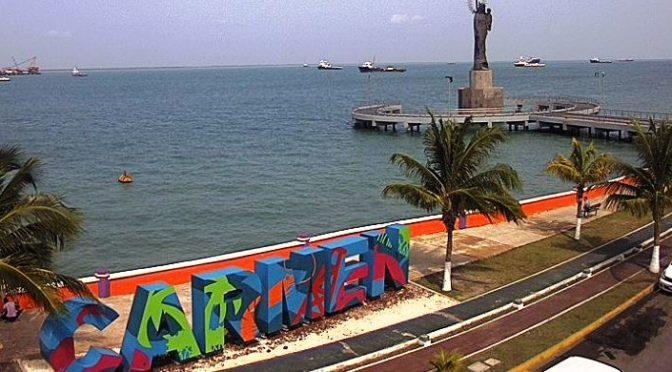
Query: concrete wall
179, 273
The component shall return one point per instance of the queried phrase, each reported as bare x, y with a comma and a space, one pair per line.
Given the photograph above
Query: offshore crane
33, 68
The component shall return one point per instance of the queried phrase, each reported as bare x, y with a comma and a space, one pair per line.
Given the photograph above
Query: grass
535, 341
485, 275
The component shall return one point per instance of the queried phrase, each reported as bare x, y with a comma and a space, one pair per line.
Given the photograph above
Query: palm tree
585, 169
452, 181
647, 188
33, 228
448, 362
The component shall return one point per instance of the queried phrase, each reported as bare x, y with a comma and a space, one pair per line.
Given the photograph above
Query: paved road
479, 338
335, 352
637, 340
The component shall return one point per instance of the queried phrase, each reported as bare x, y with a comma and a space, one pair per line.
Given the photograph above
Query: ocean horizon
232, 158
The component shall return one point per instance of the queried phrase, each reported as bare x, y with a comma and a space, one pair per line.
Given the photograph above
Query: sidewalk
336, 352
428, 252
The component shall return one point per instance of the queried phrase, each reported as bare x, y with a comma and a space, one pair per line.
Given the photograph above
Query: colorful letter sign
235, 304
58, 347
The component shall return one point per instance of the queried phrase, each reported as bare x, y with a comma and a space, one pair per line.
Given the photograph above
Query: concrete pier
571, 117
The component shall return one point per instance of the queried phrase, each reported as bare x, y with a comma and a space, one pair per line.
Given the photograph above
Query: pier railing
637, 115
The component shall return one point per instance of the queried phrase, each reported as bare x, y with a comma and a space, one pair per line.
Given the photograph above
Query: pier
567, 116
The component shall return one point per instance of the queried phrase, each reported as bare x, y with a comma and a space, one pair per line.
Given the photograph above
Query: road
637, 340
482, 337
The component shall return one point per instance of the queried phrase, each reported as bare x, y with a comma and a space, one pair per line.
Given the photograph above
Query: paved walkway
336, 352
428, 252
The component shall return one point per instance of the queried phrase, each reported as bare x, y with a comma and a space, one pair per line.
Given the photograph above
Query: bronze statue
482, 24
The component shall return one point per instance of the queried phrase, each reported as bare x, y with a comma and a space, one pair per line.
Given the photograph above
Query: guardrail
643, 115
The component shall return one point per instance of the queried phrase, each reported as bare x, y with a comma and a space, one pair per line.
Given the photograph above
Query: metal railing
639, 115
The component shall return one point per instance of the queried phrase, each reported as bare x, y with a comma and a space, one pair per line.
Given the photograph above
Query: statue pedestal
481, 94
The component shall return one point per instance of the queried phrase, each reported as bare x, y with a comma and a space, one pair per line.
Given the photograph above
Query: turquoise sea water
228, 159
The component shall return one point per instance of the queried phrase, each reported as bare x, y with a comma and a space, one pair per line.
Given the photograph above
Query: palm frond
414, 195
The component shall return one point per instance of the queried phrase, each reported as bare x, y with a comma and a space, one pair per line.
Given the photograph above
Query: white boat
529, 62
597, 60
305, 65
326, 65
77, 73
4, 79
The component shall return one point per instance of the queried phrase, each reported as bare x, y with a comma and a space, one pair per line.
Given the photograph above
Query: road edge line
563, 346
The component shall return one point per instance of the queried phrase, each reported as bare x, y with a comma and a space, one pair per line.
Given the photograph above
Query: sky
152, 33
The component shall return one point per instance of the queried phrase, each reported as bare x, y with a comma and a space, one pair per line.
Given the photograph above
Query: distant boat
77, 73
5, 79
394, 69
326, 65
597, 60
369, 66
529, 62
305, 65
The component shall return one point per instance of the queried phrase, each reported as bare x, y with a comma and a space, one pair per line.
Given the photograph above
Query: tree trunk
654, 267
449, 222
579, 211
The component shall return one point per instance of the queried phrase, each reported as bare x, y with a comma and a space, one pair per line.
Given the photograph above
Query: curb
536, 362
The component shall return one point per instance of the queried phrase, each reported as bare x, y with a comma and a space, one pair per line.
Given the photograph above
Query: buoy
125, 178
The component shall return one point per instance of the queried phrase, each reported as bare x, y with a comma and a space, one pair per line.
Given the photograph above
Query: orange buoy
125, 178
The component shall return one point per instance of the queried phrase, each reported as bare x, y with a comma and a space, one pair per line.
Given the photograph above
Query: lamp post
601, 75
450, 83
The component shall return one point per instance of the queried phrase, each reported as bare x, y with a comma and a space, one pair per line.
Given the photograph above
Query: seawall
124, 283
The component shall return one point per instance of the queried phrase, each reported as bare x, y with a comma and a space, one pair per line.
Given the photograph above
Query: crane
33, 69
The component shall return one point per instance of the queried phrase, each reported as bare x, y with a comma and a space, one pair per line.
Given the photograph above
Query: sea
227, 159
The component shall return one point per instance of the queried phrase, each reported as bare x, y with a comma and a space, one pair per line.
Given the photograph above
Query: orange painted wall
124, 286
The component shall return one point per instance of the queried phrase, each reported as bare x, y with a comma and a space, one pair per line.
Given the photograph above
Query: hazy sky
127, 33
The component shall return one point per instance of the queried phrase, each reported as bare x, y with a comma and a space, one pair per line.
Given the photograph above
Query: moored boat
5, 79
368, 66
597, 60
529, 62
77, 73
394, 69
326, 65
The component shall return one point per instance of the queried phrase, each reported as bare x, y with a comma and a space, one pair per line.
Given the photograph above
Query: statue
482, 24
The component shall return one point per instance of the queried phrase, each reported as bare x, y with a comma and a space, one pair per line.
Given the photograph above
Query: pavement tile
478, 367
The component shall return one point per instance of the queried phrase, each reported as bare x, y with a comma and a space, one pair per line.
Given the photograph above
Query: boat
529, 62
368, 66
326, 65
305, 65
597, 60
394, 69
125, 178
4, 79
77, 73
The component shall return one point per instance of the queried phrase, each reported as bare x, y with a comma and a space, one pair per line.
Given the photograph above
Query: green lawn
533, 342
485, 275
